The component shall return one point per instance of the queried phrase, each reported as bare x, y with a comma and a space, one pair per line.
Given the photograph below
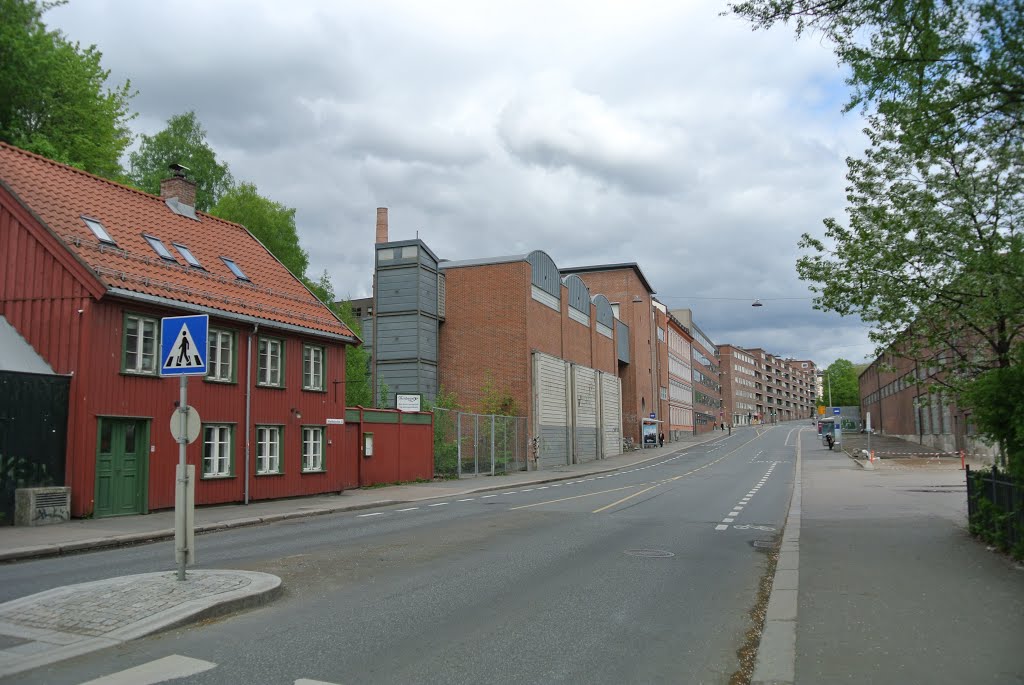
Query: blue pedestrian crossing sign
836, 411
183, 345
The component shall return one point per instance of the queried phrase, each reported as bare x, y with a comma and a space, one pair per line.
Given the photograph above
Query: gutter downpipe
248, 404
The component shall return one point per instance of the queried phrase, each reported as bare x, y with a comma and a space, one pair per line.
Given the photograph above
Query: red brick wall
484, 333
639, 395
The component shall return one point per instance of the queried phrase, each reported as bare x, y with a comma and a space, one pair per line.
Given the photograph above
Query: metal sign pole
180, 534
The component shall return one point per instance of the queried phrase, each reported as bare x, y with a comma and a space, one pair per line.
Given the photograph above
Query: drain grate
763, 545
650, 553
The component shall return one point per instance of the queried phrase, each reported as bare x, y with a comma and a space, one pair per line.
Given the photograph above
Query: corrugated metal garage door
585, 403
611, 414
550, 394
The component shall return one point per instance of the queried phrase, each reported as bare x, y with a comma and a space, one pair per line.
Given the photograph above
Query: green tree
54, 97
182, 142
271, 222
932, 254
841, 378
938, 66
357, 364
996, 397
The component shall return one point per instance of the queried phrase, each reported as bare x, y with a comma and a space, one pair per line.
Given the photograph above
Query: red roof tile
61, 196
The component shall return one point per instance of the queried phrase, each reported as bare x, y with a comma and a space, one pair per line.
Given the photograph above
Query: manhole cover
650, 553
763, 544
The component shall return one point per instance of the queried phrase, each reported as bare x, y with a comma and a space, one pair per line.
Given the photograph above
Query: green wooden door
121, 467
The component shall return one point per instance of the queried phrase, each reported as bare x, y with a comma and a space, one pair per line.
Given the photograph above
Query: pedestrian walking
661, 439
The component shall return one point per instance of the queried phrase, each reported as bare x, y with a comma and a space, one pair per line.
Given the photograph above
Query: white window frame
312, 367
220, 438
270, 365
218, 368
268, 450
140, 366
313, 449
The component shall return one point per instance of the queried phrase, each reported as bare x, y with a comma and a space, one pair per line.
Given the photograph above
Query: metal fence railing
995, 509
478, 444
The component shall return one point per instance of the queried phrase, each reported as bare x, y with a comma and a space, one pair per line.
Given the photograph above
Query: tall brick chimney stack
382, 224
178, 186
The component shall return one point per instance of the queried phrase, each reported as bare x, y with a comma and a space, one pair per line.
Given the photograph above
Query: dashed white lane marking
528, 490
376, 513
307, 681
486, 496
557, 485
437, 504
737, 509
469, 499
511, 492
409, 509
543, 487
158, 671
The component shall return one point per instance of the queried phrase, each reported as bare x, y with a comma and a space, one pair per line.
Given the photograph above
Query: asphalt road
641, 575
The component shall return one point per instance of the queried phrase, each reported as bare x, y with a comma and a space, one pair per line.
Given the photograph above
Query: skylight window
97, 230
235, 269
159, 248
187, 254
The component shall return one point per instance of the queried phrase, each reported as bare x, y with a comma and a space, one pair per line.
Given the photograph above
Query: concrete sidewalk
892, 588
69, 621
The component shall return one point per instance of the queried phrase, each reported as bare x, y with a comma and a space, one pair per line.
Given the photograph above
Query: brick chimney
382, 224
178, 186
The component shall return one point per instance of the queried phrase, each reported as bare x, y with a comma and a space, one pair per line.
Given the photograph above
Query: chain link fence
478, 444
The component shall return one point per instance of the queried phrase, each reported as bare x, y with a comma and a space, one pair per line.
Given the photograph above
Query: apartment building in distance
741, 391
808, 383
787, 387
707, 385
678, 362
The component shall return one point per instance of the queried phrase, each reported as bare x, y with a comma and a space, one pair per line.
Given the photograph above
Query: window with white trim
312, 448
220, 360
140, 344
268, 450
217, 459
271, 363
312, 367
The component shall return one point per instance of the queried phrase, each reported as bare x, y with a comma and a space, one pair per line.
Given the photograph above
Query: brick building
707, 385
787, 387
510, 327
632, 301
679, 358
740, 389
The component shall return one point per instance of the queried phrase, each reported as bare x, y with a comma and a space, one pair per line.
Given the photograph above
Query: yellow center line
589, 494
635, 494
637, 485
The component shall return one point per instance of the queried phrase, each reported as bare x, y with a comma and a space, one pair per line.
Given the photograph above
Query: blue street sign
835, 410
183, 345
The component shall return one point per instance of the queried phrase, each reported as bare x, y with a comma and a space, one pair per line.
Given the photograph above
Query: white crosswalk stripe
158, 671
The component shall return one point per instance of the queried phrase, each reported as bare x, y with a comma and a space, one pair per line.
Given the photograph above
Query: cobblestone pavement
68, 621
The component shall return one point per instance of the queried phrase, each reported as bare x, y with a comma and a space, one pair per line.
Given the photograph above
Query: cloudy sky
600, 132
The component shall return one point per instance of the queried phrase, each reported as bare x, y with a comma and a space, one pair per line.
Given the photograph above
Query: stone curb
263, 589
775, 663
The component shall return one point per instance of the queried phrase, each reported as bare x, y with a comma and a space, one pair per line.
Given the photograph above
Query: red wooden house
87, 269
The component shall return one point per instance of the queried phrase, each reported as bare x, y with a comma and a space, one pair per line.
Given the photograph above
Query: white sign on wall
407, 402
